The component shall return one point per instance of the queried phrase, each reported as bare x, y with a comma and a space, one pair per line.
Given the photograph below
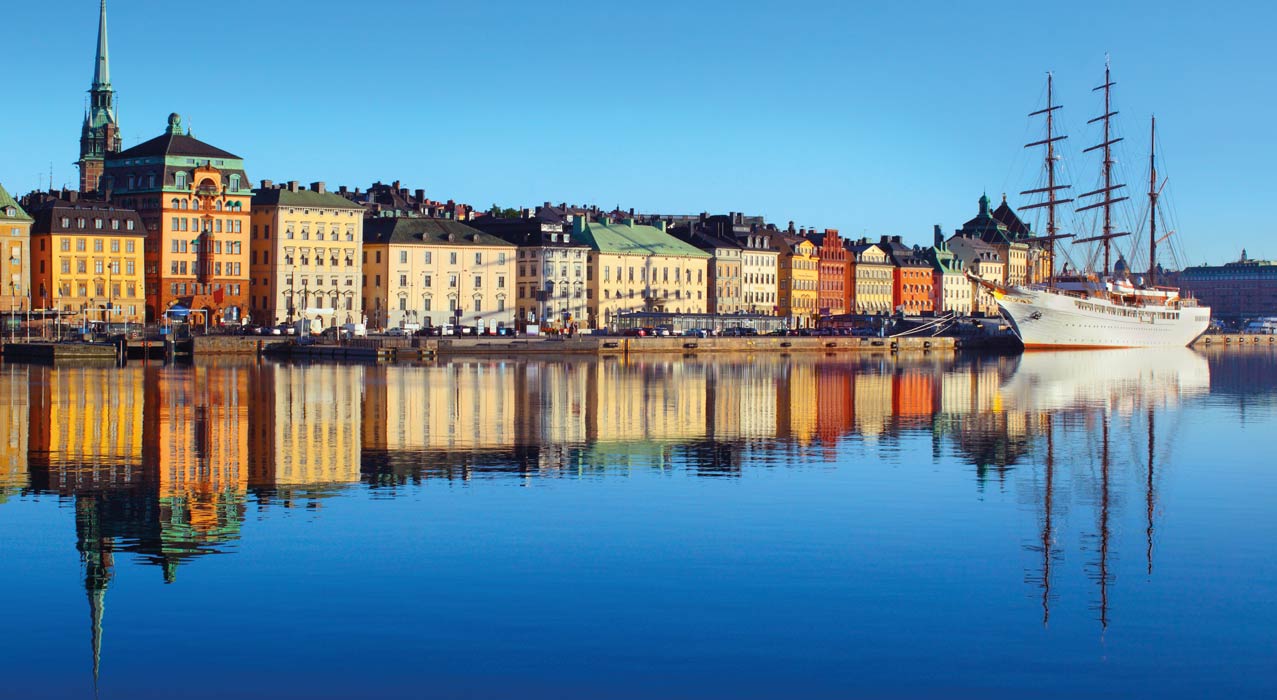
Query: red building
834, 295
913, 285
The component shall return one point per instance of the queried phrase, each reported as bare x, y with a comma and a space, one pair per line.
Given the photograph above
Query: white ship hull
1048, 319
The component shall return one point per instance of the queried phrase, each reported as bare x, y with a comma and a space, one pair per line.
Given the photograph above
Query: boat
1111, 308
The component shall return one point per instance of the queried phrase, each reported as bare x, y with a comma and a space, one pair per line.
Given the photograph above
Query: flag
219, 295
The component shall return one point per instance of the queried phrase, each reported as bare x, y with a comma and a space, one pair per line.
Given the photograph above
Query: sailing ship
1109, 308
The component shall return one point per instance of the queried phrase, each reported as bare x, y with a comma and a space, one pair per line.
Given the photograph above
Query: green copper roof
302, 198
636, 239
5, 202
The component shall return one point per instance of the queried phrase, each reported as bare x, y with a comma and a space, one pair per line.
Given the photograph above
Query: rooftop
427, 231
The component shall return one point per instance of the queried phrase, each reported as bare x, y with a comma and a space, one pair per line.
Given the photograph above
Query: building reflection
160, 462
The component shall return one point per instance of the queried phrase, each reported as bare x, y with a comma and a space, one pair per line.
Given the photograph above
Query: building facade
550, 280
834, 261
434, 272
100, 132
798, 286
635, 267
87, 261
1010, 245
912, 285
872, 276
982, 260
950, 288
15, 260
1245, 289
194, 200
759, 271
305, 256
726, 291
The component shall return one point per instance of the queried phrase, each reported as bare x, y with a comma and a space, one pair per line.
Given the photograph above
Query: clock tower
100, 134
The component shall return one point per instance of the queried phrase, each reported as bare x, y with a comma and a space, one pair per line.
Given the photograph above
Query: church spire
102, 66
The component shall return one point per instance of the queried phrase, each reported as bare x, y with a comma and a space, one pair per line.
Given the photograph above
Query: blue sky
873, 118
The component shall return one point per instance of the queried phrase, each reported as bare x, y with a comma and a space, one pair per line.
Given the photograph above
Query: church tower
100, 135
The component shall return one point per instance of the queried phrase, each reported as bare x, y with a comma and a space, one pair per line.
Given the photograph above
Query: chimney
421, 195
629, 222
267, 184
791, 227
342, 190
318, 187
631, 213
292, 185
394, 185
939, 237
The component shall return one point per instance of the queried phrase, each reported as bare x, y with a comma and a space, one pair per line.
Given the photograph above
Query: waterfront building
872, 278
951, 291
912, 285
1039, 255
15, 259
636, 267
432, 272
984, 261
760, 273
87, 259
550, 279
305, 256
1244, 289
455, 407
833, 296
194, 200
799, 279
726, 293
1010, 245
100, 133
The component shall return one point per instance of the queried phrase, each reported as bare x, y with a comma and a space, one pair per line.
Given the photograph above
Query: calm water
1057, 525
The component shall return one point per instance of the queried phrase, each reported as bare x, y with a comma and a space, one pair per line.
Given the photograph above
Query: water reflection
160, 463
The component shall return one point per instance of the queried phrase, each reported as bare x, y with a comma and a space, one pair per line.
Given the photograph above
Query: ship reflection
161, 464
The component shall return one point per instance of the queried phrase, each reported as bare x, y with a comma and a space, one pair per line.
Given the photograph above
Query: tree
507, 213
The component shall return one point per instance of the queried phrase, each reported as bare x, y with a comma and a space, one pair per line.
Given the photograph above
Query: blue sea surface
1055, 525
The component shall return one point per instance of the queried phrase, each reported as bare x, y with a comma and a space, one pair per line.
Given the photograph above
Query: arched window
176, 204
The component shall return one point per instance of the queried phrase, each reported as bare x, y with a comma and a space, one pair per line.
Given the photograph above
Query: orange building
833, 297
912, 283
194, 200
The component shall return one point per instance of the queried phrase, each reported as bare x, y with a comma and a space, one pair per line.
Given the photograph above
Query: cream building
550, 280
982, 260
872, 278
305, 256
759, 272
434, 272
304, 425
634, 267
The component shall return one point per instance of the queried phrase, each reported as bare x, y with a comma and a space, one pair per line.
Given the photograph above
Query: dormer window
179, 179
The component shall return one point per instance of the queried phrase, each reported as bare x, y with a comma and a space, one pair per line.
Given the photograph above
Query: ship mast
1052, 201
1107, 234
1152, 203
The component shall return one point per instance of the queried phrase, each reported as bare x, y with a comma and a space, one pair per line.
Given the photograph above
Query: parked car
506, 331
695, 333
357, 330
397, 332
334, 333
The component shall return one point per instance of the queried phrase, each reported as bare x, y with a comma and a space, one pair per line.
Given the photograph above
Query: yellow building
872, 275
305, 256
799, 280
635, 267
15, 260
457, 406
433, 272
87, 261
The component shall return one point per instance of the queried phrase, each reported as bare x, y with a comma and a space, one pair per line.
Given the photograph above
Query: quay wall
1234, 340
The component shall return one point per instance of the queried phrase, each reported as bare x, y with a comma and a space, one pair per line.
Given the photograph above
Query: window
427, 257
179, 179
478, 258
452, 258
403, 257
478, 282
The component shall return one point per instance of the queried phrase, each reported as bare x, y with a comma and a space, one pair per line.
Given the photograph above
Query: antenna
1107, 144
1052, 201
